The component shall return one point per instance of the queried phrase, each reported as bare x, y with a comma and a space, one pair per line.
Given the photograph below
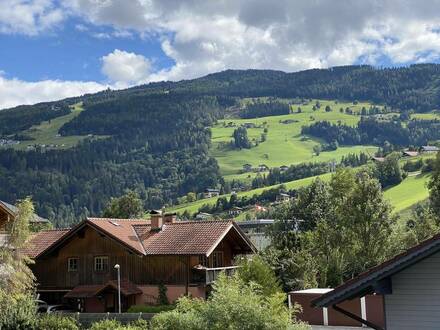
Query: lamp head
117, 266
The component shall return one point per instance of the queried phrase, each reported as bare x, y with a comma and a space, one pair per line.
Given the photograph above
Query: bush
17, 311
177, 320
107, 325
162, 299
232, 305
139, 324
150, 309
53, 321
116, 325
258, 271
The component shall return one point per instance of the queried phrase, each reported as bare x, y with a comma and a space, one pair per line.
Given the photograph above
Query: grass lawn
46, 132
284, 145
411, 191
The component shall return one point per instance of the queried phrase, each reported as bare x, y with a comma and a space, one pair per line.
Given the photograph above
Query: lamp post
118, 268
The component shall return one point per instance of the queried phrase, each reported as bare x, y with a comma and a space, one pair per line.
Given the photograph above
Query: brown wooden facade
5, 219
53, 274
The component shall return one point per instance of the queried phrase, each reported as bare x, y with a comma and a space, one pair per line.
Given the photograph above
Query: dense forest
373, 131
264, 109
157, 135
157, 146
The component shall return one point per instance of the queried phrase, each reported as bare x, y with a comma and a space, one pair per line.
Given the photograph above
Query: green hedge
150, 309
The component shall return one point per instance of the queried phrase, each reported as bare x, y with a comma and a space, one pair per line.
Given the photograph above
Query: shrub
17, 311
258, 271
139, 324
189, 320
150, 309
53, 321
162, 299
107, 325
233, 305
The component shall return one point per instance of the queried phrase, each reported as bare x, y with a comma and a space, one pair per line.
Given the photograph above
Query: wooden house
76, 265
247, 167
211, 192
429, 149
8, 212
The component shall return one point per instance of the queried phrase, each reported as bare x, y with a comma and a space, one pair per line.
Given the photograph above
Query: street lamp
118, 268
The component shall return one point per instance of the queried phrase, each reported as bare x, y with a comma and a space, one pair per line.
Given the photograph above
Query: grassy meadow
411, 191
284, 145
46, 132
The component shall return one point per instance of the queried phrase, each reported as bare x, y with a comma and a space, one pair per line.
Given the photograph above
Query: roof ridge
200, 221
53, 229
117, 219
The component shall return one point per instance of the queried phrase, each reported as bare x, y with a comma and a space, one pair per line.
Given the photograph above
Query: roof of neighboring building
256, 222
430, 148
178, 238
410, 153
367, 281
43, 239
313, 291
13, 210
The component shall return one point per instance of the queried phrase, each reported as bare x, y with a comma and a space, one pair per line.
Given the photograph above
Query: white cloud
29, 17
15, 92
207, 36
124, 67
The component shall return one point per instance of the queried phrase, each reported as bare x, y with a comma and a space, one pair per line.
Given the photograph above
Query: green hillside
284, 145
411, 191
194, 206
46, 133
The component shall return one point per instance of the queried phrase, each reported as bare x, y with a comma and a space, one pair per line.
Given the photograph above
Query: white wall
415, 301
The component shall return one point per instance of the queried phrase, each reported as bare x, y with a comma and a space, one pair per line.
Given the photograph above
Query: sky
52, 49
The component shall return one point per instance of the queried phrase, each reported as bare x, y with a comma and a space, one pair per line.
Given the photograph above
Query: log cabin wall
52, 271
4, 219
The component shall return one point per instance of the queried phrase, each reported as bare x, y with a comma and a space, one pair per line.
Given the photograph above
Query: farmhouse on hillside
211, 192
430, 149
76, 266
409, 284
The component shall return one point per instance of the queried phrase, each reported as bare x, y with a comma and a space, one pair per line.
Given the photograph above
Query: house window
72, 264
101, 264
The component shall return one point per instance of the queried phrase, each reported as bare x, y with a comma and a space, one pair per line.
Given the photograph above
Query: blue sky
70, 54
51, 49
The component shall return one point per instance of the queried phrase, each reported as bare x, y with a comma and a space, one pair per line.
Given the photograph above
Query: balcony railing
210, 275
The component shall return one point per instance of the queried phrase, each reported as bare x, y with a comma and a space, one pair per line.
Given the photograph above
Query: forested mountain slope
157, 135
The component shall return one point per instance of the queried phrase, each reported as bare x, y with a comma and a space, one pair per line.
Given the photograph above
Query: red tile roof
183, 238
122, 230
43, 239
197, 237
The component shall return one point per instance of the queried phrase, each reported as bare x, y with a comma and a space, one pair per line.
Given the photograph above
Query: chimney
169, 218
156, 220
